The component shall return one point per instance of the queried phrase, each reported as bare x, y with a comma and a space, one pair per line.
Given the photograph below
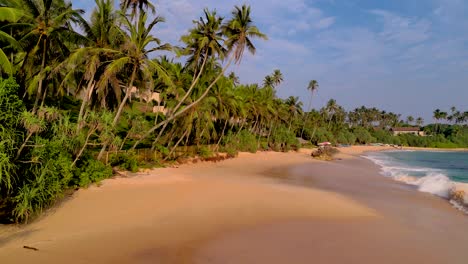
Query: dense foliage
76, 102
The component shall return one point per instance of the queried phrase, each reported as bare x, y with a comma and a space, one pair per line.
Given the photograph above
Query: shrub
362, 135
92, 171
243, 141
204, 152
283, 139
124, 160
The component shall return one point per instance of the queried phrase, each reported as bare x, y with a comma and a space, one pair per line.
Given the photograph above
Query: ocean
436, 172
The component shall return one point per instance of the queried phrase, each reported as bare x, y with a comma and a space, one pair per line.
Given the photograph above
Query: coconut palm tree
46, 36
312, 87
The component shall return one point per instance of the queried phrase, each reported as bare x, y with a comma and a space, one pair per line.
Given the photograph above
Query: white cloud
403, 30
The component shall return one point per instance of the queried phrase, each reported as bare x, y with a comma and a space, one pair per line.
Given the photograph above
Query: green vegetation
74, 104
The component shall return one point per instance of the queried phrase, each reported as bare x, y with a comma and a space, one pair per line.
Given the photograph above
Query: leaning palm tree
238, 31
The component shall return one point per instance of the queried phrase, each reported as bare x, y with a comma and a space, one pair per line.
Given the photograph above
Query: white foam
437, 184
427, 180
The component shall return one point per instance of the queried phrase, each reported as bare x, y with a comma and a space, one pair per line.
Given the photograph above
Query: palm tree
437, 116
277, 77
419, 121
238, 31
268, 81
312, 87
410, 120
47, 34
295, 108
134, 55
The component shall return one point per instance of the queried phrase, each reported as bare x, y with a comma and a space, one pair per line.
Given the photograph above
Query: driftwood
31, 248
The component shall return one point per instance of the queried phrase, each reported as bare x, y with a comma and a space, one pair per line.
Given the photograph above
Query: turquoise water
432, 171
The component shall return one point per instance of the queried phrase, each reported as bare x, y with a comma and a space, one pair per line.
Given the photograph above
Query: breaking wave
427, 180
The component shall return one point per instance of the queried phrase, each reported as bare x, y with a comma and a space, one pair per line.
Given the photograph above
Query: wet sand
258, 208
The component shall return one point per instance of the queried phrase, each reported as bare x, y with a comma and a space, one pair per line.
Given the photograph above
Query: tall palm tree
238, 31
312, 87
46, 35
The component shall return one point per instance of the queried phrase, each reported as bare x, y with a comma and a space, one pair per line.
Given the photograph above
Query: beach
257, 208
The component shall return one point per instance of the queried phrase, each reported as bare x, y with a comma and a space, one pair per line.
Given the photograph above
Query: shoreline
195, 212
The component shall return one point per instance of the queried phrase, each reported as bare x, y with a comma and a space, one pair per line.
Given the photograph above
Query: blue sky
409, 57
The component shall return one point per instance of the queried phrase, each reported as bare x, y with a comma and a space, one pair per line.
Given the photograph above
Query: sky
408, 57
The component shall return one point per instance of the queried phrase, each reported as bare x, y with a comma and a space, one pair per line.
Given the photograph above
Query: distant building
407, 130
149, 96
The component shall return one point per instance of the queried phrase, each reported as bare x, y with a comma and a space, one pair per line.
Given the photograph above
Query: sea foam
427, 180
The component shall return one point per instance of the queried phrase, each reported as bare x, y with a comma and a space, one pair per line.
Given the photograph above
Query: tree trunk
222, 134
176, 145
18, 153
83, 148
88, 90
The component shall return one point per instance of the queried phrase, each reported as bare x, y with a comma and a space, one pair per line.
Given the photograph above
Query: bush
204, 152
243, 141
284, 140
363, 136
321, 135
124, 160
92, 171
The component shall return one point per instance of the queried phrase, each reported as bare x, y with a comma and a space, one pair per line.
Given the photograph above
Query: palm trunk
84, 103
186, 108
176, 145
83, 148
222, 134
18, 153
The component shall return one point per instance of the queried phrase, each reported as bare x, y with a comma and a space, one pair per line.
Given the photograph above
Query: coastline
195, 212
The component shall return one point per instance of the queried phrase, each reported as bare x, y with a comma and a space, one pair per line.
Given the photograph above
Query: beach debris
31, 248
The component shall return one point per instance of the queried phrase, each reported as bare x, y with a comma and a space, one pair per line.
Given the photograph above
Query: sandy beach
258, 208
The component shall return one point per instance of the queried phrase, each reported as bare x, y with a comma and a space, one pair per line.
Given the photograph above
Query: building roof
406, 129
